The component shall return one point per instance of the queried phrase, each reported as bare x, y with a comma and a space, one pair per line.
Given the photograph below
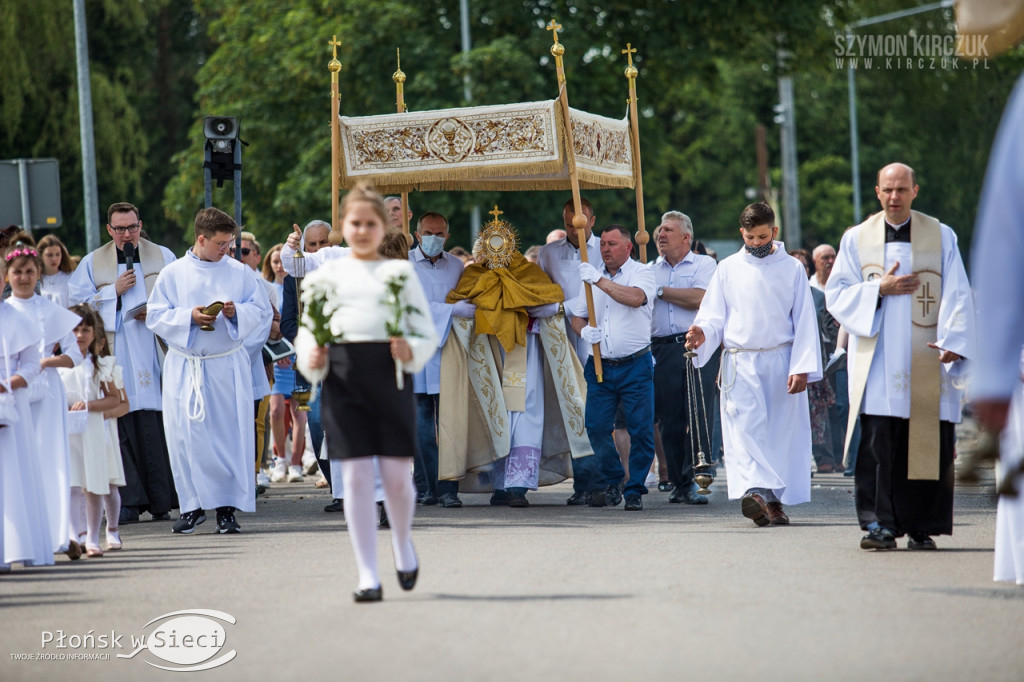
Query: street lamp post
852, 87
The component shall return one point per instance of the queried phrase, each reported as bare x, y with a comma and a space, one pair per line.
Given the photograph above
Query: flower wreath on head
18, 253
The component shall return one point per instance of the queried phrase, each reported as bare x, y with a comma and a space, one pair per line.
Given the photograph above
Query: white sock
112, 506
77, 512
361, 517
400, 500
93, 516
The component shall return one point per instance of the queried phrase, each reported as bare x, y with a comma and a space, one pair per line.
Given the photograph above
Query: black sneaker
878, 538
634, 503
188, 521
226, 520
613, 496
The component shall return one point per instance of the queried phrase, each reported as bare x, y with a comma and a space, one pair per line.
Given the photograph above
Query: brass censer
703, 470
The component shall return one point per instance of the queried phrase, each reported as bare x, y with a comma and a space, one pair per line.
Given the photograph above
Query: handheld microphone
129, 255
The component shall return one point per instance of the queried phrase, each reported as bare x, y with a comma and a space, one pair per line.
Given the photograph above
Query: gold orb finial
334, 65
631, 71
399, 75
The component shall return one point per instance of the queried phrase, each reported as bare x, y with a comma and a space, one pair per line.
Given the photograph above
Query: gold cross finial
335, 44
554, 27
629, 52
495, 213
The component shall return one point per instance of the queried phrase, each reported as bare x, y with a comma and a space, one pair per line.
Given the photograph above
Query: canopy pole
334, 66
634, 137
579, 219
399, 78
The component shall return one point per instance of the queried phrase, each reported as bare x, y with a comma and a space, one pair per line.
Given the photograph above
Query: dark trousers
672, 410
426, 461
149, 484
882, 491
630, 384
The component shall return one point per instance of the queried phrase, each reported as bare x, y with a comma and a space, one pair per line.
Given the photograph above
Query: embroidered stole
925, 372
104, 270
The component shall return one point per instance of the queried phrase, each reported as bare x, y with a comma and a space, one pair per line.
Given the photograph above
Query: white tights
94, 505
361, 512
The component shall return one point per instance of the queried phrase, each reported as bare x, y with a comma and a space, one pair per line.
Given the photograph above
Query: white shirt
560, 260
313, 260
437, 279
813, 281
624, 330
694, 271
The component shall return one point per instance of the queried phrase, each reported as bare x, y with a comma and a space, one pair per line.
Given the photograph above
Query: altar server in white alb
758, 304
997, 389
899, 287
208, 396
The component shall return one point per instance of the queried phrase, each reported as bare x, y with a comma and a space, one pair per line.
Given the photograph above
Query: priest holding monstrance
899, 287
512, 392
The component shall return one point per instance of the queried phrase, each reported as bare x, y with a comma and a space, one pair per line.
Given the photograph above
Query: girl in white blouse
368, 407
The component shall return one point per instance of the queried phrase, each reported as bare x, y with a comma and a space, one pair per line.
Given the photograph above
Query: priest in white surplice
208, 396
900, 289
997, 390
104, 281
758, 304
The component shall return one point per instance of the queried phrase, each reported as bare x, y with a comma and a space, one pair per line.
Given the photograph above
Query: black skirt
364, 414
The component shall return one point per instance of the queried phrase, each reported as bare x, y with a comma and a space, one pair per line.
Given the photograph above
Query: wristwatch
660, 292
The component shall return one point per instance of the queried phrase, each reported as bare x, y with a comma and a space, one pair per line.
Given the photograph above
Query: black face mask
759, 251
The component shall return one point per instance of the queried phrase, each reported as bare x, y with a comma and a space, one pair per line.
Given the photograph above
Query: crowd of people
573, 361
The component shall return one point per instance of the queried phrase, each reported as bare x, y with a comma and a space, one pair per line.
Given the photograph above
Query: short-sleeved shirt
694, 271
625, 330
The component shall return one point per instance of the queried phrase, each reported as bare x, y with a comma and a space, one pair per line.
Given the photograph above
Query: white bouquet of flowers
320, 298
394, 274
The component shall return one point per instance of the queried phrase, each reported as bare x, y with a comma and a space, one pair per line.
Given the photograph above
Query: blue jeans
426, 462
316, 432
631, 384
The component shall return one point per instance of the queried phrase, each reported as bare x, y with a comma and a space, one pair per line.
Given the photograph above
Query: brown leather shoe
755, 509
776, 515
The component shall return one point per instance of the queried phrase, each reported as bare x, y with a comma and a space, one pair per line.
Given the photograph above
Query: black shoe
449, 501
336, 505
634, 503
499, 498
226, 521
578, 499
368, 595
597, 498
127, 515
517, 498
920, 541
612, 496
407, 579
878, 538
383, 520
188, 521
166, 516
428, 499
687, 494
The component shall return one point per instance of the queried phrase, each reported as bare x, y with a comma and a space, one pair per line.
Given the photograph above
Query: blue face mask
759, 251
431, 245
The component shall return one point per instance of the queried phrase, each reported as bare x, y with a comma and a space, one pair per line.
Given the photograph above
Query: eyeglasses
245, 251
133, 228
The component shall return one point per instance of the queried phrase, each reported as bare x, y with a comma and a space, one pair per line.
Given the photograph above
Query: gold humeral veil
506, 147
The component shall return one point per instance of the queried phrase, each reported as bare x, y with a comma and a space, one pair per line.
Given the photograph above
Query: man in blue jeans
624, 293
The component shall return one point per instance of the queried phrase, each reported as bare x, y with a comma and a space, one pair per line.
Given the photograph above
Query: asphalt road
545, 593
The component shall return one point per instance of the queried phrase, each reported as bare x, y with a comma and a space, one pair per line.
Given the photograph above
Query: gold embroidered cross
335, 44
554, 27
629, 52
496, 212
926, 299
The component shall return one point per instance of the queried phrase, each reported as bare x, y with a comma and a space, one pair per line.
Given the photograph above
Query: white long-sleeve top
361, 313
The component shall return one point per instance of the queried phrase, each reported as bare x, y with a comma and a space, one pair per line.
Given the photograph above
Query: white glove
540, 311
588, 273
463, 308
591, 335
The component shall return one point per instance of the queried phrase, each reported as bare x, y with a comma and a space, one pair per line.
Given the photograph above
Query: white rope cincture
195, 403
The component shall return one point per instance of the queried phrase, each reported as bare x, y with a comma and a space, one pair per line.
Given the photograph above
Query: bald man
900, 289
